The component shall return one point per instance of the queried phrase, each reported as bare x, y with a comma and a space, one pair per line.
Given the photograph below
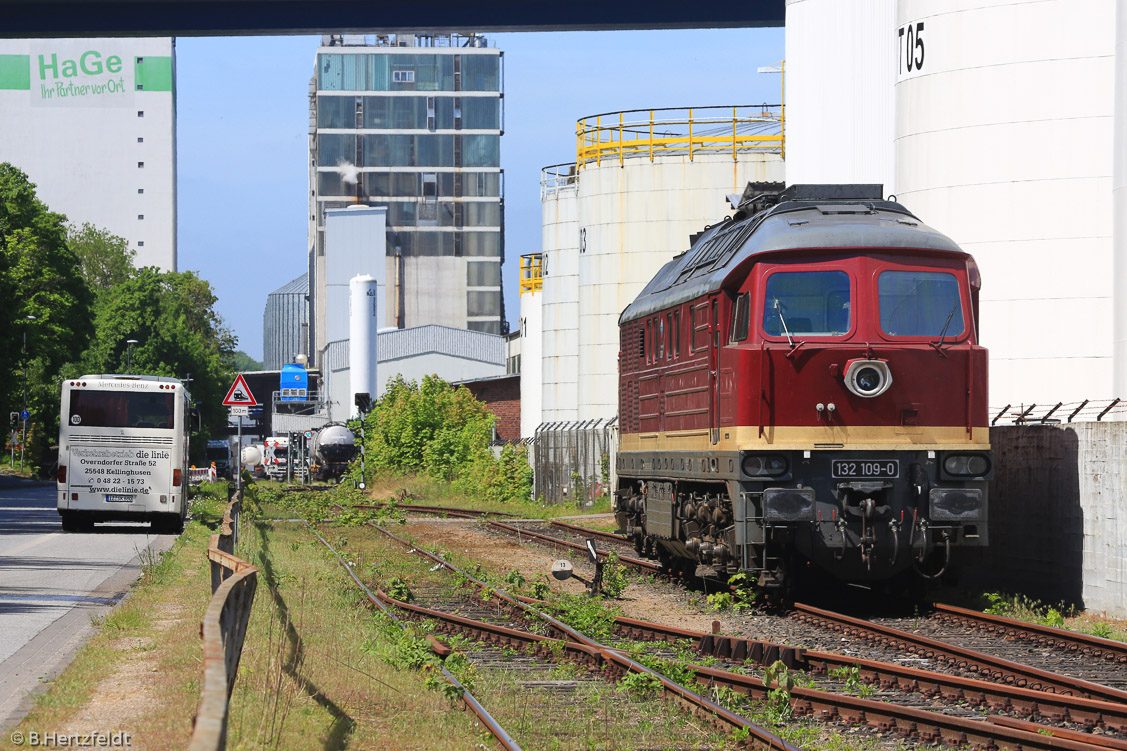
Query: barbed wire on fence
1085, 410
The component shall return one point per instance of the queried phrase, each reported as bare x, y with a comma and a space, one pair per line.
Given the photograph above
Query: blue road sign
25, 415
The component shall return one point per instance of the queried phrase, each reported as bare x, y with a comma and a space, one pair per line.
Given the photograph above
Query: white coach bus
123, 451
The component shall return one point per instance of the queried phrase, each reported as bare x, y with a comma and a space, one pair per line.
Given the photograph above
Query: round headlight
970, 465
868, 379
764, 466
753, 465
775, 465
955, 465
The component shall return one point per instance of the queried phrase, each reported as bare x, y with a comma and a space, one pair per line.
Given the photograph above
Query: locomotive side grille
120, 440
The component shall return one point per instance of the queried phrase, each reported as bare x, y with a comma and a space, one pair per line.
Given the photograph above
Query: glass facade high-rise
413, 122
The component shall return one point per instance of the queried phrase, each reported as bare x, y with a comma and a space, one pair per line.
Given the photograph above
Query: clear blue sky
243, 137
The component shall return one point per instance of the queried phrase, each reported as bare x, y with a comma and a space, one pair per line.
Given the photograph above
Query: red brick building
501, 395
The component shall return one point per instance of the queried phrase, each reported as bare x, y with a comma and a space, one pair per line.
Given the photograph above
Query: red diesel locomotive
804, 387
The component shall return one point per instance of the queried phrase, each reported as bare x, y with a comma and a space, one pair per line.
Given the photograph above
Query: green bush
443, 432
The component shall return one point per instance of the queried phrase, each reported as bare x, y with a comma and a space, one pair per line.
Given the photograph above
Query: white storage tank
648, 180
840, 77
633, 219
560, 245
1004, 143
363, 332
1119, 198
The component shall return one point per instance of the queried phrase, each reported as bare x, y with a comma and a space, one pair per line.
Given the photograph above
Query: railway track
994, 668
584, 649
1047, 636
1022, 691
648, 567
909, 722
1024, 702
463, 513
974, 661
468, 699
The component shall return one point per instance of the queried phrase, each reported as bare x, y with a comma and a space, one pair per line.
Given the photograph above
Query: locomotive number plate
848, 469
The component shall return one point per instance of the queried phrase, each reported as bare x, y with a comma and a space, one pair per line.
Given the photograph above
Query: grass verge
311, 676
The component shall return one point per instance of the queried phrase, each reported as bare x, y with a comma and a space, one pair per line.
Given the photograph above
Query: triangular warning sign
239, 395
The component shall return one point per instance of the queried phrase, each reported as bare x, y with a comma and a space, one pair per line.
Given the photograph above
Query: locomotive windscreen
920, 303
807, 302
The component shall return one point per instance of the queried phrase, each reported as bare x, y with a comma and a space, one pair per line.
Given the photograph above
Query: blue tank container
294, 383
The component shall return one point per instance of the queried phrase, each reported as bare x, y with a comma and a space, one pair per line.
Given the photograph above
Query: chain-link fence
573, 462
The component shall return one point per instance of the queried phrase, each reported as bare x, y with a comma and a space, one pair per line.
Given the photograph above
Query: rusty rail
696, 703
908, 722
1058, 638
646, 566
905, 721
993, 668
224, 626
466, 513
487, 719
612, 536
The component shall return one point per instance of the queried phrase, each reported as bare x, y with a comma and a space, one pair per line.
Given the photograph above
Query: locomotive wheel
639, 543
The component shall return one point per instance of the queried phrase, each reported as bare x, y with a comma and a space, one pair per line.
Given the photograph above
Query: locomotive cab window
740, 318
920, 303
811, 303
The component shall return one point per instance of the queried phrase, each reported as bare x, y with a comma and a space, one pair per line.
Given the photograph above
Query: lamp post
128, 354
23, 413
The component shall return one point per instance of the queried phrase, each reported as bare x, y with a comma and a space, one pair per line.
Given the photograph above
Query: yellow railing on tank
617, 136
531, 272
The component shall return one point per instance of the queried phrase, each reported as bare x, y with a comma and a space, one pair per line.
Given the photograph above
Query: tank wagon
334, 447
804, 389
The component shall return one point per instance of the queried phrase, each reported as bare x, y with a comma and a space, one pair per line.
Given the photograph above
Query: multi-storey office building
413, 122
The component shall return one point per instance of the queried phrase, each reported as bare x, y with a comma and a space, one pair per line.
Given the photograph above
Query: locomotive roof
789, 225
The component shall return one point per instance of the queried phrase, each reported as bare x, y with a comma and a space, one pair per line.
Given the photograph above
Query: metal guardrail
531, 272
614, 137
233, 583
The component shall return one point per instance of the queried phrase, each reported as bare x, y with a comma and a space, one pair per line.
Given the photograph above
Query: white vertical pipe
1119, 207
363, 329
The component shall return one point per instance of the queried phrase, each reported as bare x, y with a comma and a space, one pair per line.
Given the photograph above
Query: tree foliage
244, 363
172, 317
104, 258
444, 432
85, 300
45, 297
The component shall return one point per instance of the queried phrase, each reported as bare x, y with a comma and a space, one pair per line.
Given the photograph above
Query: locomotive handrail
233, 583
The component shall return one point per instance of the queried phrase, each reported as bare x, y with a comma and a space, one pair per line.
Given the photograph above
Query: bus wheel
75, 522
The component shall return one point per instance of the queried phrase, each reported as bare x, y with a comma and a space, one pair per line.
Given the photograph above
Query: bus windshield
121, 409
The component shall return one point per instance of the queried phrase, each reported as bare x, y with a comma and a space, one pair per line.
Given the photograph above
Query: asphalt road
52, 584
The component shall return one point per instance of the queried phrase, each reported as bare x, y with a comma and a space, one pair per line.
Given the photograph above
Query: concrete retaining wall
1056, 504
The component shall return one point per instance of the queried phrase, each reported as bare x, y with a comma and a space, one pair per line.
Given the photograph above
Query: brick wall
502, 396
